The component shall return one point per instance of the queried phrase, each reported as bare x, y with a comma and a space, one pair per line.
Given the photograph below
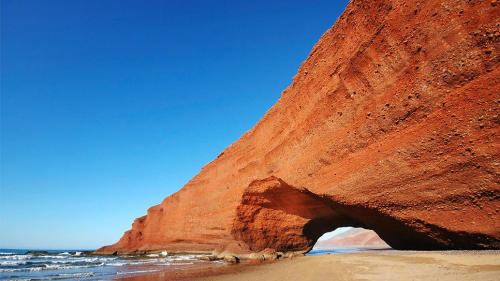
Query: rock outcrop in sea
391, 124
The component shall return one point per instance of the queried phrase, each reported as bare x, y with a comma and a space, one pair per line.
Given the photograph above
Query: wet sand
376, 265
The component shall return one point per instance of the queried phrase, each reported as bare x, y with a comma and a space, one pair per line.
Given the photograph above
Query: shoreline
453, 265
196, 273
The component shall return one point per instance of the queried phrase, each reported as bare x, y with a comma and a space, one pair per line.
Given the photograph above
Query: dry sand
376, 265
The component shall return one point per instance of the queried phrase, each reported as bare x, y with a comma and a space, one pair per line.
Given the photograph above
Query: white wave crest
62, 261
16, 257
116, 264
97, 259
51, 266
20, 269
12, 263
77, 275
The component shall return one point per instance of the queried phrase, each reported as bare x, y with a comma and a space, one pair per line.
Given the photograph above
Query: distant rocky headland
391, 124
353, 238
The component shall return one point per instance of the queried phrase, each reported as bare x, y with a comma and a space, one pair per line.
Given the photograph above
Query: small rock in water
208, 258
164, 253
231, 259
36, 253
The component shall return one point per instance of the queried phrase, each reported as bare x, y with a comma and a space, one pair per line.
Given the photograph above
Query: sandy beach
376, 265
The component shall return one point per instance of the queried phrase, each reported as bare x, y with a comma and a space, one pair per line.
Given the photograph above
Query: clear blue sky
107, 107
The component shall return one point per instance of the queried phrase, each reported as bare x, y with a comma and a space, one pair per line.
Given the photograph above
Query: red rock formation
353, 238
391, 124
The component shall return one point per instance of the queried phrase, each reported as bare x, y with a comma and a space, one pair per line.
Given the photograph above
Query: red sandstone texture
391, 124
353, 238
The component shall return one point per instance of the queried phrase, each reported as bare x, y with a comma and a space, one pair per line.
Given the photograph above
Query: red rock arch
275, 215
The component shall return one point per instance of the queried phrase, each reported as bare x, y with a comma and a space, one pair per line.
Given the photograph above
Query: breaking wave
78, 265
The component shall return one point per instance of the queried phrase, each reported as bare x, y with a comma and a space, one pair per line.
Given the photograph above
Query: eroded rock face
291, 219
391, 124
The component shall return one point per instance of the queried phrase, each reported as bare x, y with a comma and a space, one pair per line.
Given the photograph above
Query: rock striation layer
391, 124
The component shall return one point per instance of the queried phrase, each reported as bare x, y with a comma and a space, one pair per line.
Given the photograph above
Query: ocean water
327, 251
75, 265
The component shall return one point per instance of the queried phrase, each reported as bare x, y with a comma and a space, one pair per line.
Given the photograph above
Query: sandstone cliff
391, 124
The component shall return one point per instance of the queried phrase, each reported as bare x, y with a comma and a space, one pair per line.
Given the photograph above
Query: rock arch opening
350, 237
